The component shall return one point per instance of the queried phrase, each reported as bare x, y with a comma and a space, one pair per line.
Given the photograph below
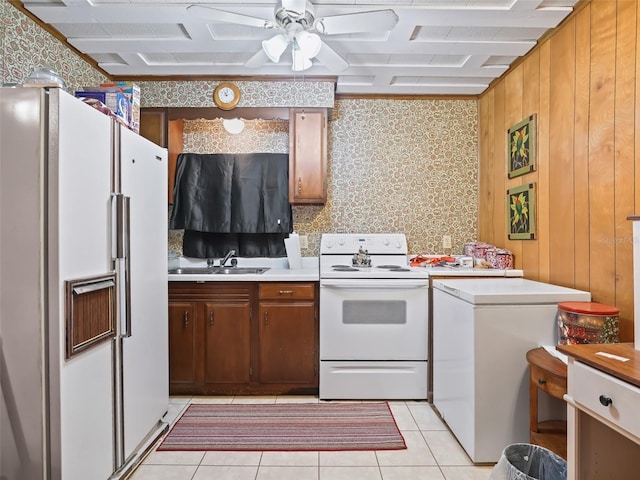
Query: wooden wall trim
210, 113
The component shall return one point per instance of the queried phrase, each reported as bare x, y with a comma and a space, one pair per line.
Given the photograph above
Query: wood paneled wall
583, 83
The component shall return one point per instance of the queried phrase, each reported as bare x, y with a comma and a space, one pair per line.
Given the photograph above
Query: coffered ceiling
437, 47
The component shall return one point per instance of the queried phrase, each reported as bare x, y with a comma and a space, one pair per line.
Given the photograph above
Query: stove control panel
372, 243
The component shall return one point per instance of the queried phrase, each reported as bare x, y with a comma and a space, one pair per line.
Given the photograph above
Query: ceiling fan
299, 27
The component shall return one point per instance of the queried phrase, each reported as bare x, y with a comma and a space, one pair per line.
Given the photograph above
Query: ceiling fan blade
298, 6
328, 57
228, 17
376, 21
258, 60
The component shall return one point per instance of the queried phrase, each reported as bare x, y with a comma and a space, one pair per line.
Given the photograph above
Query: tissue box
116, 101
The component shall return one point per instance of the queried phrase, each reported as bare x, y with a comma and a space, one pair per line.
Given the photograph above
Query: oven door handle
377, 284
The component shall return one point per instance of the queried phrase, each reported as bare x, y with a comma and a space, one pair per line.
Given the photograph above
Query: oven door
373, 319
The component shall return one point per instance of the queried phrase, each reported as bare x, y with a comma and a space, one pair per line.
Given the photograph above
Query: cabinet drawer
283, 291
612, 399
552, 384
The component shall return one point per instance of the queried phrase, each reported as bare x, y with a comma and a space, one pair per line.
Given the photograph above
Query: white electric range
373, 319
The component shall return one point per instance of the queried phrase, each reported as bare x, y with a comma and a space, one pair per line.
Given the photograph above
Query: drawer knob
605, 401
542, 381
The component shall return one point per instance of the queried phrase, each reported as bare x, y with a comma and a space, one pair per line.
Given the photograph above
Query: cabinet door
182, 343
308, 156
288, 339
153, 125
227, 342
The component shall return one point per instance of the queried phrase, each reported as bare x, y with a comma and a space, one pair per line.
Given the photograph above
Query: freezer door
143, 178
81, 400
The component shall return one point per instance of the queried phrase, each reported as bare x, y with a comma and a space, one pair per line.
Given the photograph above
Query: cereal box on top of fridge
132, 91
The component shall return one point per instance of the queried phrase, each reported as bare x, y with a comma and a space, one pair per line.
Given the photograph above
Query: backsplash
406, 166
394, 166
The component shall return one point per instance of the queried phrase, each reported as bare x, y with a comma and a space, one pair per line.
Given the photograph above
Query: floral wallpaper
3, 26
394, 165
253, 93
259, 135
406, 166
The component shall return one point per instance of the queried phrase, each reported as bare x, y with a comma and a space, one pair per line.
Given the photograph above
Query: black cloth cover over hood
232, 193
216, 245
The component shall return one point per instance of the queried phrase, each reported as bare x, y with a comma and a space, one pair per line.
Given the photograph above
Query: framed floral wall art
521, 212
521, 144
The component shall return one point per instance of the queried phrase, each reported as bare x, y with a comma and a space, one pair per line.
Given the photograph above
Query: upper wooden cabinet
308, 155
307, 143
153, 125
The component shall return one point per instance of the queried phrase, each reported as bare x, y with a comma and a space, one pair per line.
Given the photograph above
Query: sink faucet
230, 254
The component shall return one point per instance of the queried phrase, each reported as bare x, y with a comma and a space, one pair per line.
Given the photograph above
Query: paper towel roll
292, 245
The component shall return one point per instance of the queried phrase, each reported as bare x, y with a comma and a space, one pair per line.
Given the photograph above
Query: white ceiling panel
437, 47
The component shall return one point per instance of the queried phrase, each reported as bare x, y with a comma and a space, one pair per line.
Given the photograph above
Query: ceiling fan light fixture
275, 47
233, 125
309, 43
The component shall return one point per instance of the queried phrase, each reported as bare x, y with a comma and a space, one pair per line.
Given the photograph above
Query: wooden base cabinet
227, 343
209, 337
288, 333
219, 346
182, 343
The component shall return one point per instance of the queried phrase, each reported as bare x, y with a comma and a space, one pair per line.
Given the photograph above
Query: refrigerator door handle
122, 257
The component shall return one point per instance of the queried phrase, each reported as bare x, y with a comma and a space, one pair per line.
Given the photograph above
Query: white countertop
279, 271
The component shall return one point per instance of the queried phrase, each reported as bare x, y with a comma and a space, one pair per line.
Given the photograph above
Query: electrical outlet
304, 243
446, 242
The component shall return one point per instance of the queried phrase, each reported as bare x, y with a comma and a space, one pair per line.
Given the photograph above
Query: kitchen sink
218, 270
192, 270
240, 270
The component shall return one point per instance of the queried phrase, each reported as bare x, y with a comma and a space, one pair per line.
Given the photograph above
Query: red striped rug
286, 427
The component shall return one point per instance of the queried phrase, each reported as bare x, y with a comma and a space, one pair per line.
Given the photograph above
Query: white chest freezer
482, 330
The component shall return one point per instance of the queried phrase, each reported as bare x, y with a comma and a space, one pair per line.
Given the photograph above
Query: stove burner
400, 269
390, 267
344, 268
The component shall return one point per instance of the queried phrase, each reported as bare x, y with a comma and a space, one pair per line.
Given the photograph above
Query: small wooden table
549, 374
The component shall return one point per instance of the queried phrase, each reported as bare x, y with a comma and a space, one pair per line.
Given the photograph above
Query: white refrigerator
83, 290
482, 331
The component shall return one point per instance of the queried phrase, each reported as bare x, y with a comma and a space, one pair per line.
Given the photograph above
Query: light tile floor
432, 453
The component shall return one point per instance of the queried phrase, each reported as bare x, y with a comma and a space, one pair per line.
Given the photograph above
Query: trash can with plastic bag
523, 461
